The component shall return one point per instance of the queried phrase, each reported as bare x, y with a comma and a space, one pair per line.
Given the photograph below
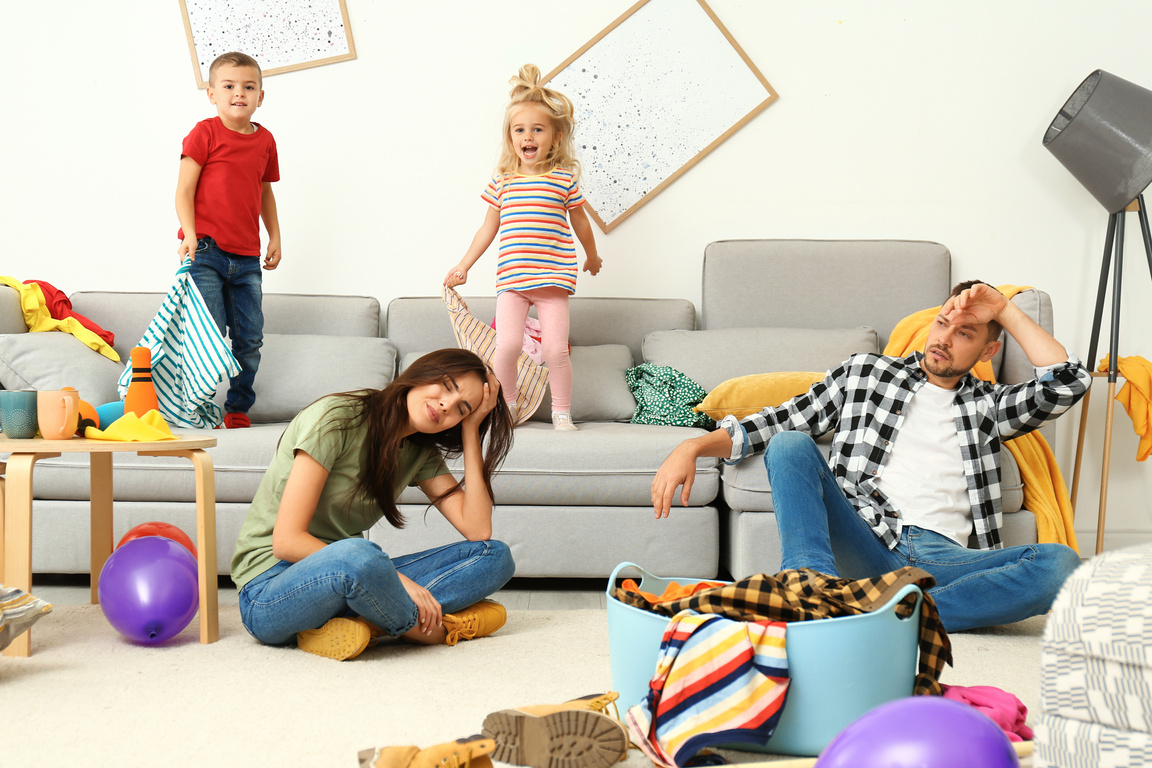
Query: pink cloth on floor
1004, 708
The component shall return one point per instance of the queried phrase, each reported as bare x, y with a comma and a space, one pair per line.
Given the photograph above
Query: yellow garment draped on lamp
1045, 493
38, 318
1136, 397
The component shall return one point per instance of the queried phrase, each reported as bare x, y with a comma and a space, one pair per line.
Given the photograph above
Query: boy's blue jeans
820, 529
231, 287
354, 577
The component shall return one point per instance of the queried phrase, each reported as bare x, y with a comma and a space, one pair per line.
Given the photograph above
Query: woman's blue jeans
232, 288
820, 529
354, 577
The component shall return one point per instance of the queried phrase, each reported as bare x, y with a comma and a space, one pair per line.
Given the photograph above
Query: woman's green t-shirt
340, 512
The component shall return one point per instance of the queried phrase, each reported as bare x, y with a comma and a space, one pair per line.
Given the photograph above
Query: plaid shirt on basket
804, 594
863, 401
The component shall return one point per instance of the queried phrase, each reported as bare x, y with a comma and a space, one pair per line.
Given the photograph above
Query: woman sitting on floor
302, 564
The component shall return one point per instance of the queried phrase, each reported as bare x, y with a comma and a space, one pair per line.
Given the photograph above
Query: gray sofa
570, 504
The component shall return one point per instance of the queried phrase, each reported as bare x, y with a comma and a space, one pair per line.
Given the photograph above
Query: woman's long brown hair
386, 413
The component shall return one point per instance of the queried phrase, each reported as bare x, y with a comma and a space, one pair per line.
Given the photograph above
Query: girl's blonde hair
526, 89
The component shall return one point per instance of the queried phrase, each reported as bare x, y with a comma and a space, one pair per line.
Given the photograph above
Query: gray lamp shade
1103, 136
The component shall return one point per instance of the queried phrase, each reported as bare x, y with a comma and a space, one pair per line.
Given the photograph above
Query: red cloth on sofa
61, 308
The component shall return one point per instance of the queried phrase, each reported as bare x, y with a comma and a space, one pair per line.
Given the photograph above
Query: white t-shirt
924, 477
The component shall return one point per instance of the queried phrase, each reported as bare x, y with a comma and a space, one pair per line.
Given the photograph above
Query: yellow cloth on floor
1136, 397
1045, 493
38, 318
131, 428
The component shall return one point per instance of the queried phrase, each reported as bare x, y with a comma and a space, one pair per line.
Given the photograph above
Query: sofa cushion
712, 357
601, 464
297, 369
239, 460
55, 359
599, 391
746, 395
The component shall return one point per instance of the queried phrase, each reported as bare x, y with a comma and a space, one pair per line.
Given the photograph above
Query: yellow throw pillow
746, 395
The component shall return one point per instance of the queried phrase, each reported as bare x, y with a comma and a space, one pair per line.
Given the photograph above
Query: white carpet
88, 697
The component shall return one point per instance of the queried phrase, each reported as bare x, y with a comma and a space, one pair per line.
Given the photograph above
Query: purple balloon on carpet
148, 589
920, 732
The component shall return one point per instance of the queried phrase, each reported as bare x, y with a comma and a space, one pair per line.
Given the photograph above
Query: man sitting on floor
886, 503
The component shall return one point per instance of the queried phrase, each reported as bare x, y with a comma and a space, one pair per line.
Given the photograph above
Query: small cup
18, 413
58, 413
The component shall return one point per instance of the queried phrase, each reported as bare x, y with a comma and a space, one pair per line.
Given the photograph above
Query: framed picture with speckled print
282, 35
656, 91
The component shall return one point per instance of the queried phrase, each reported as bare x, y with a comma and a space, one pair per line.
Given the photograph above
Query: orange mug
58, 413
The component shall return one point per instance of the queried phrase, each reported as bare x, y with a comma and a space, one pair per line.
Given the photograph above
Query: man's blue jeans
820, 529
354, 577
231, 287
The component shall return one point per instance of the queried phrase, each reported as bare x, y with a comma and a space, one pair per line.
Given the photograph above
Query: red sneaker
236, 421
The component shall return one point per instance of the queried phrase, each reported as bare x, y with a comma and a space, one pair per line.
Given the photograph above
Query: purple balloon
920, 732
148, 589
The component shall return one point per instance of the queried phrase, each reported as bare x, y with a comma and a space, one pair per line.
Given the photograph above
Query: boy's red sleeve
196, 144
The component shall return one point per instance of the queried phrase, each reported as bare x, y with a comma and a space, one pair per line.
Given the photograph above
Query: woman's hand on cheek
491, 393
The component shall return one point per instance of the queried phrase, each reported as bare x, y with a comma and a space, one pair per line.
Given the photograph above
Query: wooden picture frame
657, 90
282, 35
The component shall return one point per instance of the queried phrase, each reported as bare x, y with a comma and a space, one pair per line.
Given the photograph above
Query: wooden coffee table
16, 514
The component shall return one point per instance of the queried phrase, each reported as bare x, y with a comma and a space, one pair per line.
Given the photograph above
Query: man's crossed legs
820, 529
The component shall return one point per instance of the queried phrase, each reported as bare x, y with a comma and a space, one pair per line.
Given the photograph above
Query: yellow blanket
1044, 490
1136, 397
38, 318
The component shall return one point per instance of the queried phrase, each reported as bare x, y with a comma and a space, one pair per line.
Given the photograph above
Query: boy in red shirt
227, 166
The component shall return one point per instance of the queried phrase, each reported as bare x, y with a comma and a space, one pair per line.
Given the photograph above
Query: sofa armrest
11, 315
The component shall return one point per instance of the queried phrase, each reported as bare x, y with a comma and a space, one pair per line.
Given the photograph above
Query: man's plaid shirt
863, 401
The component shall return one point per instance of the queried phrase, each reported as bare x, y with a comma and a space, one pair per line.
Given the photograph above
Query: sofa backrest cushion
128, 314
711, 357
821, 283
599, 390
54, 360
297, 369
420, 324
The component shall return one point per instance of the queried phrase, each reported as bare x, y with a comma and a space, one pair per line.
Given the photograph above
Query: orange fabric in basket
673, 591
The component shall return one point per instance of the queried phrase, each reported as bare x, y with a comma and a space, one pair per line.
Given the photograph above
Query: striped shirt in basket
536, 247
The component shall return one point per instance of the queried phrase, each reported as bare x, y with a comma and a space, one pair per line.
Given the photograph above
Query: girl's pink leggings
552, 312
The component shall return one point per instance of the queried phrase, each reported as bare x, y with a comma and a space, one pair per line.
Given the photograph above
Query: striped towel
189, 356
479, 337
18, 611
717, 681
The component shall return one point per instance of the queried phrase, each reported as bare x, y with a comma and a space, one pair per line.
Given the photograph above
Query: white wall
902, 119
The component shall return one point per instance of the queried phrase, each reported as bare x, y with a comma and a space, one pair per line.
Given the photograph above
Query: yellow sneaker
339, 639
564, 738
471, 752
478, 620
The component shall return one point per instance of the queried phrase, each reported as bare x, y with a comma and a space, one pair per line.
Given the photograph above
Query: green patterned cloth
665, 396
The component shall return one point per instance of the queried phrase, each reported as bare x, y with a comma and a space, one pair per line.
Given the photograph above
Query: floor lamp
1103, 136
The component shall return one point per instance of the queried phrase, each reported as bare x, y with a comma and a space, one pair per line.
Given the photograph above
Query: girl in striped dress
535, 205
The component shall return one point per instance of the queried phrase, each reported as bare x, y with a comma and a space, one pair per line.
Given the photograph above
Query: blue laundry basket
840, 668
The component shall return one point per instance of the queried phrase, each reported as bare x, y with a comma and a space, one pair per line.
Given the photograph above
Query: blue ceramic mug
18, 413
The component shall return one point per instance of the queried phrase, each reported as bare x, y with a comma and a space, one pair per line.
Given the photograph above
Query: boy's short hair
994, 328
236, 59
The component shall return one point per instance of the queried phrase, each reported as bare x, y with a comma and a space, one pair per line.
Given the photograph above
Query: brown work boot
471, 752
340, 639
477, 620
575, 734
